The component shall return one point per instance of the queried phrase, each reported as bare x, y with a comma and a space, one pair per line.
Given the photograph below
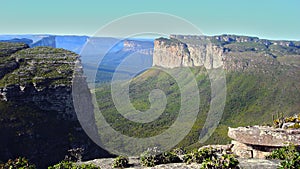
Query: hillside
262, 79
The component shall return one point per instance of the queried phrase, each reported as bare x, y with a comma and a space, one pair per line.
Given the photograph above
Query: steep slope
37, 117
262, 79
235, 53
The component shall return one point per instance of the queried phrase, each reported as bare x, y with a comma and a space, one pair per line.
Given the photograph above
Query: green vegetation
245, 46
153, 157
278, 123
211, 158
249, 95
290, 156
6, 49
120, 162
207, 157
18, 163
72, 165
43, 66
225, 161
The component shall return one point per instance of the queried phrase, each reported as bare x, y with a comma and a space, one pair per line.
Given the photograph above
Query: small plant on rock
198, 156
290, 156
72, 165
151, 158
225, 161
18, 163
120, 162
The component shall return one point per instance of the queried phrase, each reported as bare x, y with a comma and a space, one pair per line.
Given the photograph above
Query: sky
271, 19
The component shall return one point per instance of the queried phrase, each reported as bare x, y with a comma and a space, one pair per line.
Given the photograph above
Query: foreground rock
106, 163
265, 136
259, 141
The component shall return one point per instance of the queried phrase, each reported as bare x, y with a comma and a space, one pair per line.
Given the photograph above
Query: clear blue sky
273, 19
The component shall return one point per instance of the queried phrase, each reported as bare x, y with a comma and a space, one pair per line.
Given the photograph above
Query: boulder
265, 136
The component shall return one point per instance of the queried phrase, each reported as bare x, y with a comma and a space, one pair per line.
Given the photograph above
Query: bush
18, 163
120, 162
72, 165
211, 158
151, 158
290, 156
224, 162
198, 156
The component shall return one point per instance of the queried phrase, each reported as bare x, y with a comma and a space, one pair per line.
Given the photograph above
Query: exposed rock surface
258, 164
265, 136
106, 163
260, 141
143, 47
37, 116
227, 51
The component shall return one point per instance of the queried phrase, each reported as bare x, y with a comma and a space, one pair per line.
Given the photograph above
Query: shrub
120, 162
211, 158
18, 163
151, 158
198, 156
290, 156
225, 161
72, 165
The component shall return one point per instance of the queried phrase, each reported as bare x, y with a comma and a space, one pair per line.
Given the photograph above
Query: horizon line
147, 37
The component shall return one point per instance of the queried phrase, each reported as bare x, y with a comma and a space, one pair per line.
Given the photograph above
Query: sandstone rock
38, 118
248, 151
230, 52
258, 164
106, 163
287, 125
265, 136
219, 148
242, 150
170, 53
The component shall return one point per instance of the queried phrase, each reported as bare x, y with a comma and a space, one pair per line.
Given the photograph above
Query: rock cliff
230, 52
31, 40
37, 116
48, 41
143, 47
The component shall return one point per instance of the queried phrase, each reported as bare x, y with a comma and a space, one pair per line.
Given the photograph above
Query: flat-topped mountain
262, 78
37, 116
230, 52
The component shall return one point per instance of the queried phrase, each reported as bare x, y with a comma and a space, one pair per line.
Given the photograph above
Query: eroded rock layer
37, 116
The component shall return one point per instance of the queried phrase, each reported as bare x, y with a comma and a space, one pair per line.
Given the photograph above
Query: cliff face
48, 41
37, 116
227, 51
172, 53
142, 47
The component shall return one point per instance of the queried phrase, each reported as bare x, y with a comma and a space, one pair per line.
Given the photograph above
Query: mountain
262, 78
230, 52
118, 57
37, 115
110, 51
31, 40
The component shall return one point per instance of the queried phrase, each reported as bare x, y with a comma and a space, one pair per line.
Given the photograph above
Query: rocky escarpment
143, 47
226, 51
31, 40
37, 116
48, 41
